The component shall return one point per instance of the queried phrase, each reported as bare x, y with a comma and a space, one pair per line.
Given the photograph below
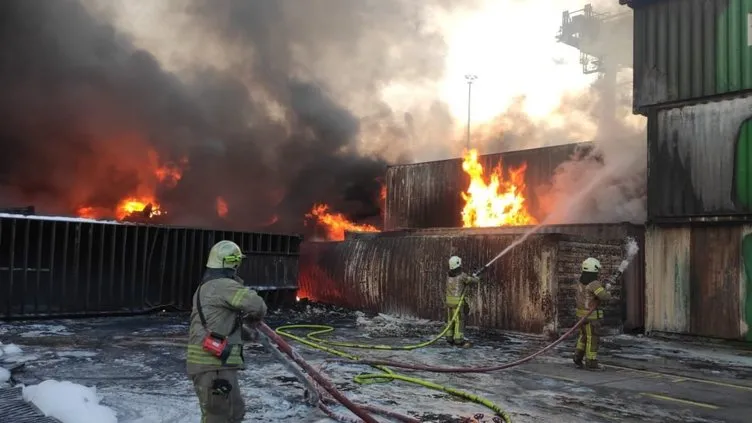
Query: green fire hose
312, 340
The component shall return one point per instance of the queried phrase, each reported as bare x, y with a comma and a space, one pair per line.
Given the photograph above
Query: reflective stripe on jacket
454, 286
589, 295
222, 302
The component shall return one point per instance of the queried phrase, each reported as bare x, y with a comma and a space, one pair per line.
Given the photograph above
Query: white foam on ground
35, 331
76, 354
68, 402
4, 375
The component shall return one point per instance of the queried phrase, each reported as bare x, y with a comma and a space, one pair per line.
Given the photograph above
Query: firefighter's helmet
591, 265
454, 262
225, 255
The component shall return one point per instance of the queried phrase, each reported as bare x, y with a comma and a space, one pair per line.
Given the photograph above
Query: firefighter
590, 292
215, 350
457, 280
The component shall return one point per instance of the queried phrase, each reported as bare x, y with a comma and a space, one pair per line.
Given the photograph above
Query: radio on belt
217, 345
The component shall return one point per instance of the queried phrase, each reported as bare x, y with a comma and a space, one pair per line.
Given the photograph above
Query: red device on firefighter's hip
215, 344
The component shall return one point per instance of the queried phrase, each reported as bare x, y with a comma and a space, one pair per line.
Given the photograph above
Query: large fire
500, 202
335, 223
142, 204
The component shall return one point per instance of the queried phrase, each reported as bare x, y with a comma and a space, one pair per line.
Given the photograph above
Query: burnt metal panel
426, 195
406, 275
698, 161
691, 49
715, 281
404, 272
633, 288
667, 280
56, 267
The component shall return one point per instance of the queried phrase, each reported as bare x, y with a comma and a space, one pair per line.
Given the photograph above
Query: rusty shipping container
697, 280
67, 267
404, 272
415, 192
687, 50
700, 161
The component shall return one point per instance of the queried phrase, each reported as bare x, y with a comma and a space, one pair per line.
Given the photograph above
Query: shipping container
686, 50
68, 267
700, 161
697, 280
428, 195
404, 272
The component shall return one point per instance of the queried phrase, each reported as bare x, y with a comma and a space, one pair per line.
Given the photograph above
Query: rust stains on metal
416, 191
667, 259
715, 281
404, 272
696, 280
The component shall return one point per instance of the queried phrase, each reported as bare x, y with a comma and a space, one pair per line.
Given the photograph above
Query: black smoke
82, 107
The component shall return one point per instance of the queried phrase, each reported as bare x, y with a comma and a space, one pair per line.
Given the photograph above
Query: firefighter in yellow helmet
215, 350
457, 280
590, 292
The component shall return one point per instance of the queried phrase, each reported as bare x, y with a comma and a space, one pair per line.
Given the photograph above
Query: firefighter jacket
223, 301
454, 287
589, 295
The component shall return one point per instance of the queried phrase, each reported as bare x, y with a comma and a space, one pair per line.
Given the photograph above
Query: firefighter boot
578, 356
465, 344
593, 365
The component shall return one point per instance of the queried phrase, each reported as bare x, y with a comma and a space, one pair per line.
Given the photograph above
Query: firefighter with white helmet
590, 292
457, 280
215, 349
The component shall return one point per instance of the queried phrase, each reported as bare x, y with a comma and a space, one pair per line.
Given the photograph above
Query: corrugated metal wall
689, 49
696, 280
699, 160
427, 195
404, 272
633, 290
69, 267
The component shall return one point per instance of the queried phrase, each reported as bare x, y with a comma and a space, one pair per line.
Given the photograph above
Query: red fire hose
437, 369
321, 380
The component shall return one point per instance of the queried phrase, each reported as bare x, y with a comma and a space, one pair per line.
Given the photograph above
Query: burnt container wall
686, 50
632, 290
698, 282
428, 195
406, 275
568, 269
73, 267
700, 161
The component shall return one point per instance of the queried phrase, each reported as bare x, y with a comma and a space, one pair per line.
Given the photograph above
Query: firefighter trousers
587, 342
216, 406
456, 332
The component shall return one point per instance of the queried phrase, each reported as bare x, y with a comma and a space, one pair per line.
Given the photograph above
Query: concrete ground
137, 365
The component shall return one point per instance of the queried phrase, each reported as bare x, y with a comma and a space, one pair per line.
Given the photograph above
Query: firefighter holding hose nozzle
457, 280
590, 292
215, 347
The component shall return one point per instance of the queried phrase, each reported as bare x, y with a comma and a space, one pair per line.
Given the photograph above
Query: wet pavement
137, 365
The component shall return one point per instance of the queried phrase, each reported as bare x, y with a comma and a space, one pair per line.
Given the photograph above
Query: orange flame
499, 202
132, 205
335, 223
221, 207
143, 199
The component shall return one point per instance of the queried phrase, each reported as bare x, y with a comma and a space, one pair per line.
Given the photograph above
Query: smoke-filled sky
272, 105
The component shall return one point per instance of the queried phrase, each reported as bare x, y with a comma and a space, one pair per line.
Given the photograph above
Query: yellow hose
312, 340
